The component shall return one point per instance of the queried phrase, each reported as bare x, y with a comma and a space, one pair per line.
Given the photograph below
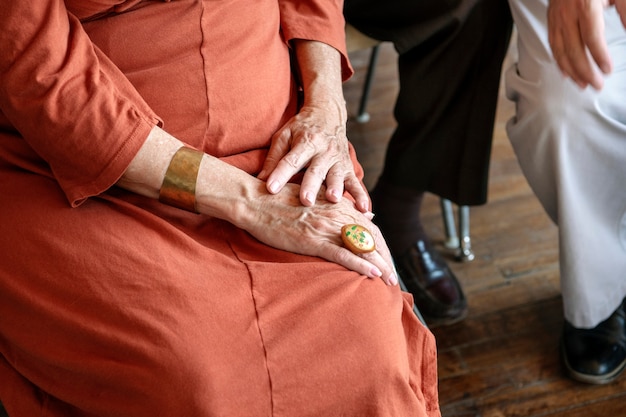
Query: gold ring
357, 238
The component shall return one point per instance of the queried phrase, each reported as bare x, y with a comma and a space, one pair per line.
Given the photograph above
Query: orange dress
112, 304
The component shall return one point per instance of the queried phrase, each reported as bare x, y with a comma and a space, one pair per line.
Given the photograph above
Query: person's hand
576, 36
620, 6
281, 221
315, 139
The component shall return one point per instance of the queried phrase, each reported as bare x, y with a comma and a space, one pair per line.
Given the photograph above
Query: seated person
569, 134
149, 266
450, 59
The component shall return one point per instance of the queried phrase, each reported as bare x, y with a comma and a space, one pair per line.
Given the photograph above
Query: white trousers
571, 145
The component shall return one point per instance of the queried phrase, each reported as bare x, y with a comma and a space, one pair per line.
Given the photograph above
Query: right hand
576, 36
281, 221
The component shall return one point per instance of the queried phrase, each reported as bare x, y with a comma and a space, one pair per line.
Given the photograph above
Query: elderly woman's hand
281, 221
315, 139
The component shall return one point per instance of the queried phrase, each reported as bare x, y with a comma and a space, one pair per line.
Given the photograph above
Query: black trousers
450, 60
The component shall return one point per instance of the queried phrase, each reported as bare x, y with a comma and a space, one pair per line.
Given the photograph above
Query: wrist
330, 105
179, 182
227, 192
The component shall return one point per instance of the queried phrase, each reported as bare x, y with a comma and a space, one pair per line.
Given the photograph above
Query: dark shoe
437, 292
597, 355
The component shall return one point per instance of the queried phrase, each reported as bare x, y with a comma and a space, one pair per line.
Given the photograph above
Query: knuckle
336, 253
309, 139
334, 174
317, 171
292, 159
352, 180
271, 159
341, 254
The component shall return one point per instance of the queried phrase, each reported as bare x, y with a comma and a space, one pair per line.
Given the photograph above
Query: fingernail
369, 215
393, 279
309, 198
273, 186
335, 194
375, 272
261, 174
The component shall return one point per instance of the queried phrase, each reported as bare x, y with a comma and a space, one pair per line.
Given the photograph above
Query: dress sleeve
71, 104
319, 20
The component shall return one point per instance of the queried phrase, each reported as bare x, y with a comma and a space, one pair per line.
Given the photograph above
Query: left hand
282, 222
315, 139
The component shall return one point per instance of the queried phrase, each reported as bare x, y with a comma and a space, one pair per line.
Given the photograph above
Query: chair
355, 41
459, 241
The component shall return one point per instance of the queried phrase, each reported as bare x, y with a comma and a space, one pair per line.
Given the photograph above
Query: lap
118, 305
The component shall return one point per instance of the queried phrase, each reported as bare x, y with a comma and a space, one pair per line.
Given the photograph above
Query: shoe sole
591, 379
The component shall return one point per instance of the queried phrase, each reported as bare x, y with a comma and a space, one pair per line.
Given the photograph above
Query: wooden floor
503, 359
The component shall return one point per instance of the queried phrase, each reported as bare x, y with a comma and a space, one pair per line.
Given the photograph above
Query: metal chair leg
363, 116
465, 249
461, 241
452, 239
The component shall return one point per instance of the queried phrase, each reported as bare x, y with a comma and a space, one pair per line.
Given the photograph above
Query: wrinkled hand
314, 139
576, 36
281, 221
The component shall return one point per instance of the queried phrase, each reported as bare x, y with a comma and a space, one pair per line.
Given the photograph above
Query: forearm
226, 192
320, 71
222, 190
315, 139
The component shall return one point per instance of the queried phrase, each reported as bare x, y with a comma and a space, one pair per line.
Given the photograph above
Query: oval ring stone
357, 238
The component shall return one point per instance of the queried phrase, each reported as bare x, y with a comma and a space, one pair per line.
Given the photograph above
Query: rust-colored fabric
112, 304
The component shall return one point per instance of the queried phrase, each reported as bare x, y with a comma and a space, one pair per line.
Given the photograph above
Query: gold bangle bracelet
179, 184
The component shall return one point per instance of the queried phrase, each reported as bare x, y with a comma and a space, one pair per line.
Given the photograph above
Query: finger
278, 149
388, 274
312, 181
620, 6
377, 263
359, 193
580, 34
360, 264
566, 42
556, 41
381, 244
592, 35
594, 38
555, 38
562, 60
580, 67
381, 257
290, 164
334, 183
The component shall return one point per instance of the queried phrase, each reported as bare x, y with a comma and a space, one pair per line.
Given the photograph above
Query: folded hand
314, 139
281, 221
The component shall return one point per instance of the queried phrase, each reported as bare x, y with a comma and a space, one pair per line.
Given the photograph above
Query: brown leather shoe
437, 292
